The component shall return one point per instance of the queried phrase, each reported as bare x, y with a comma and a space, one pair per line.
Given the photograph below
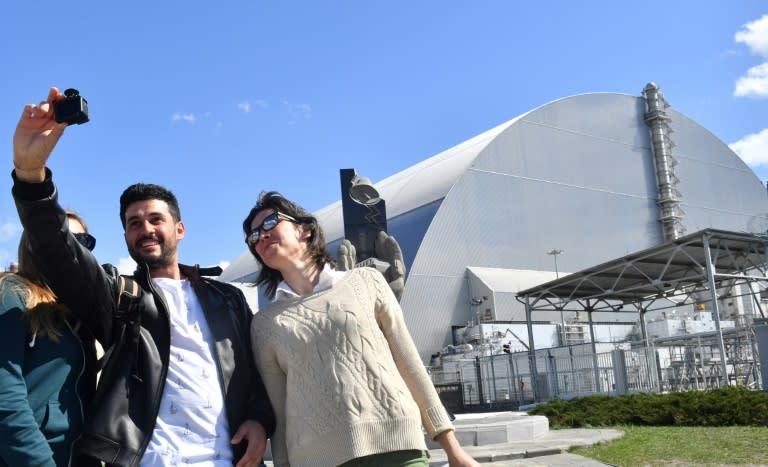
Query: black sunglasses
269, 223
86, 239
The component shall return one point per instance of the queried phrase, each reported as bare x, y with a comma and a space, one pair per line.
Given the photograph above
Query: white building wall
577, 175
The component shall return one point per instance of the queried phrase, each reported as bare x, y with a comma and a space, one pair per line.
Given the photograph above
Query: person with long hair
178, 384
47, 365
341, 369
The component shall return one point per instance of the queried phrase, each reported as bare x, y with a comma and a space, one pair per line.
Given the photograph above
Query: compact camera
73, 109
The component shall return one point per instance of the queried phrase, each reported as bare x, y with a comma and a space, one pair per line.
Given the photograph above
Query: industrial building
576, 182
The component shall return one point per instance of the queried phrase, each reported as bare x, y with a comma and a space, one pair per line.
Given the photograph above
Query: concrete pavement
549, 449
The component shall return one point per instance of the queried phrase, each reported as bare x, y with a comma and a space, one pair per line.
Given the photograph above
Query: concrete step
482, 429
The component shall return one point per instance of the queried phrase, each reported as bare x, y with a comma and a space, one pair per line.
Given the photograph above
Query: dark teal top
44, 386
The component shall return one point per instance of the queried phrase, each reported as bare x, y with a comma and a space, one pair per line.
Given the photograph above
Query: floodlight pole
554, 252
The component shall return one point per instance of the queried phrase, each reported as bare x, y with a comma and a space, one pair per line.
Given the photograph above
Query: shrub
717, 407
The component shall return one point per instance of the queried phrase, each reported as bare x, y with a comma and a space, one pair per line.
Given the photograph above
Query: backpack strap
125, 285
128, 292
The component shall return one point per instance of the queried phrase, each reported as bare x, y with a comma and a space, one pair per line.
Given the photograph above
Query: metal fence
506, 382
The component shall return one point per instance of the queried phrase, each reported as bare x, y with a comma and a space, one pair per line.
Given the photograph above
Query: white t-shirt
192, 426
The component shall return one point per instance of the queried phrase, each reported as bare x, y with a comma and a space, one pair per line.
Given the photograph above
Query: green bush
731, 406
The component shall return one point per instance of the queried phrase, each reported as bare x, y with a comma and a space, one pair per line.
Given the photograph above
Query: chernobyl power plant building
574, 183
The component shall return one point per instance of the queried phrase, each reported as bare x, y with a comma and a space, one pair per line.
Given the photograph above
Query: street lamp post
554, 252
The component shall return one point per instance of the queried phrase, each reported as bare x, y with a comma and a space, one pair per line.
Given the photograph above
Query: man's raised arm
36, 135
74, 275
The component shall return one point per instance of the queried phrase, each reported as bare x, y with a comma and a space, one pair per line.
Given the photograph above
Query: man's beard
164, 259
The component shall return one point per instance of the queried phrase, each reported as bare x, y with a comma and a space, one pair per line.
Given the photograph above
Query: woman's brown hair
316, 247
44, 314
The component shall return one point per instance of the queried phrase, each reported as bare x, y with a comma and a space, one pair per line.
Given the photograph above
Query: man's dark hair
316, 247
145, 192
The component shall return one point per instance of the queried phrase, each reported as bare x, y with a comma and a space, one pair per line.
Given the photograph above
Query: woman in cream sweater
345, 379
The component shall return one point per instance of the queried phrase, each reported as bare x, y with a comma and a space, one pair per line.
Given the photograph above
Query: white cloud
755, 36
248, 106
126, 265
245, 107
754, 84
753, 149
223, 264
297, 111
191, 118
9, 230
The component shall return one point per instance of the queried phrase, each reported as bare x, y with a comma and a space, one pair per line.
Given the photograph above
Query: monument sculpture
366, 240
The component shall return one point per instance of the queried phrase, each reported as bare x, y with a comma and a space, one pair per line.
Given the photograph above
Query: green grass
683, 446
726, 426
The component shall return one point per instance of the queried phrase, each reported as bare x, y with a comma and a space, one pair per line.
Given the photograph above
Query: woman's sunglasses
269, 223
86, 239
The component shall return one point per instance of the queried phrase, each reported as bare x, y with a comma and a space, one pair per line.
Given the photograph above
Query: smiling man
153, 228
179, 385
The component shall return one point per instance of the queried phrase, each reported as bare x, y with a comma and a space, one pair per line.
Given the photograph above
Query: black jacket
122, 415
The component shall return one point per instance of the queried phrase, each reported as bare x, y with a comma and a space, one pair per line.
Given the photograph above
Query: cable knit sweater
344, 375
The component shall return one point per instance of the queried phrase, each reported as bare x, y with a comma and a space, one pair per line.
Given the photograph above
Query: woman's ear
305, 233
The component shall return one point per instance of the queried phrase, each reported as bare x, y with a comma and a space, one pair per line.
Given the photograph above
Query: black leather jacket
121, 418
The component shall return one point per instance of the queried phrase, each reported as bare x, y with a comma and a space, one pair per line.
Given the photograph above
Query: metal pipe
715, 308
661, 145
595, 361
531, 351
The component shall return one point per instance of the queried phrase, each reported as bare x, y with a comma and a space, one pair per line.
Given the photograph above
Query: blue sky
221, 100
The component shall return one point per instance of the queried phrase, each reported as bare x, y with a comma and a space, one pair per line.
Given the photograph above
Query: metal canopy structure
675, 271
701, 266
